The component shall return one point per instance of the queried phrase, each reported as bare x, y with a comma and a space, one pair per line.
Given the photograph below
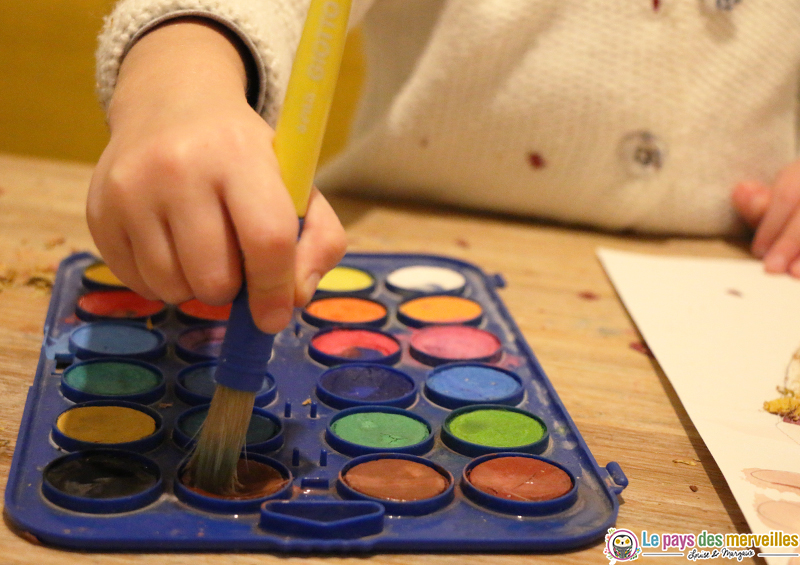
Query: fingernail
310, 286
775, 263
276, 319
758, 249
758, 205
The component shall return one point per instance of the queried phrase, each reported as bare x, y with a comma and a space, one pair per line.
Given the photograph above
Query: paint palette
402, 411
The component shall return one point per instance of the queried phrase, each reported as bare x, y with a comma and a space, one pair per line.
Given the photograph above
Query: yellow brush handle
301, 125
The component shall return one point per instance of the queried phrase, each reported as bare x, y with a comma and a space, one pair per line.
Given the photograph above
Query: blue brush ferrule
246, 350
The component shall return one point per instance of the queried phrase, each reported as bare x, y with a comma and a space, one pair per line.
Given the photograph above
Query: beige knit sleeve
270, 29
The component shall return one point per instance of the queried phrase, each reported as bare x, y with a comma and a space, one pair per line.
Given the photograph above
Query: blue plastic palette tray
307, 394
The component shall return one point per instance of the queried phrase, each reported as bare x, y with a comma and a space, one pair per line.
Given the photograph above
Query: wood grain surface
557, 292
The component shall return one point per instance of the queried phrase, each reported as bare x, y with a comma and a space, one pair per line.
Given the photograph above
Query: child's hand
189, 186
774, 212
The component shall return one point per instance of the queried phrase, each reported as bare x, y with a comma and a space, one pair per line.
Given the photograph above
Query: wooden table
621, 401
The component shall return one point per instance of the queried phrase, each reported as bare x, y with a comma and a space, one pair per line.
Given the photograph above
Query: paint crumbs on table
642, 348
690, 462
463, 243
588, 295
787, 406
41, 277
55, 242
694, 488
536, 160
735, 292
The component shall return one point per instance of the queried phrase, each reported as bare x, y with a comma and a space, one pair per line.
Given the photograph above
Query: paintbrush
246, 350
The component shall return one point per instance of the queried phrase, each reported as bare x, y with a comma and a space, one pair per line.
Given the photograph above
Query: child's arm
774, 213
188, 185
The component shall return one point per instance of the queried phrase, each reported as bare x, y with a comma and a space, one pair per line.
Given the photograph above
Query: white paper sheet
724, 332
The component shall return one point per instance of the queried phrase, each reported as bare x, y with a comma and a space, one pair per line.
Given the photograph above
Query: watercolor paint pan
445, 380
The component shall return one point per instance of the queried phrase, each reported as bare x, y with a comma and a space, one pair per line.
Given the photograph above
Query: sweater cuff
132, 19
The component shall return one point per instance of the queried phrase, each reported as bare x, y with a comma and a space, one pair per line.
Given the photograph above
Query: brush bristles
212, 466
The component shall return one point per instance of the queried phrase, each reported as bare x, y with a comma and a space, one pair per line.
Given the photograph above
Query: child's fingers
266, 228
784, 255
322, 245
115, 248
785, 199
207, 248
112, 241
751, 200
156, 257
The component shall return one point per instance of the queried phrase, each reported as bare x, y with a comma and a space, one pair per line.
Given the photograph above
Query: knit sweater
622, 114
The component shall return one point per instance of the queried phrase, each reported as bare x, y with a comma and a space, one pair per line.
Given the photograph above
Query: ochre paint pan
109, 424
520, 484
405, 484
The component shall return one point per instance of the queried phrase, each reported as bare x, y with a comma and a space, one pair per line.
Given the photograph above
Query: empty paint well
436, 345
264, 434
462, 384
334, 346
425, 279
346, 280
102, 423
260, 478
196, 385
404, 484
119, 304
345, 311
109, 378
117, 339
102, 481
202, 343
368, 429
519, 484
489, 428
439, 309
193, 311
98, 276
358, 384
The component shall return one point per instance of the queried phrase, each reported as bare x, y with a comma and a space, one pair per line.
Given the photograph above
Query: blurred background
48, 107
